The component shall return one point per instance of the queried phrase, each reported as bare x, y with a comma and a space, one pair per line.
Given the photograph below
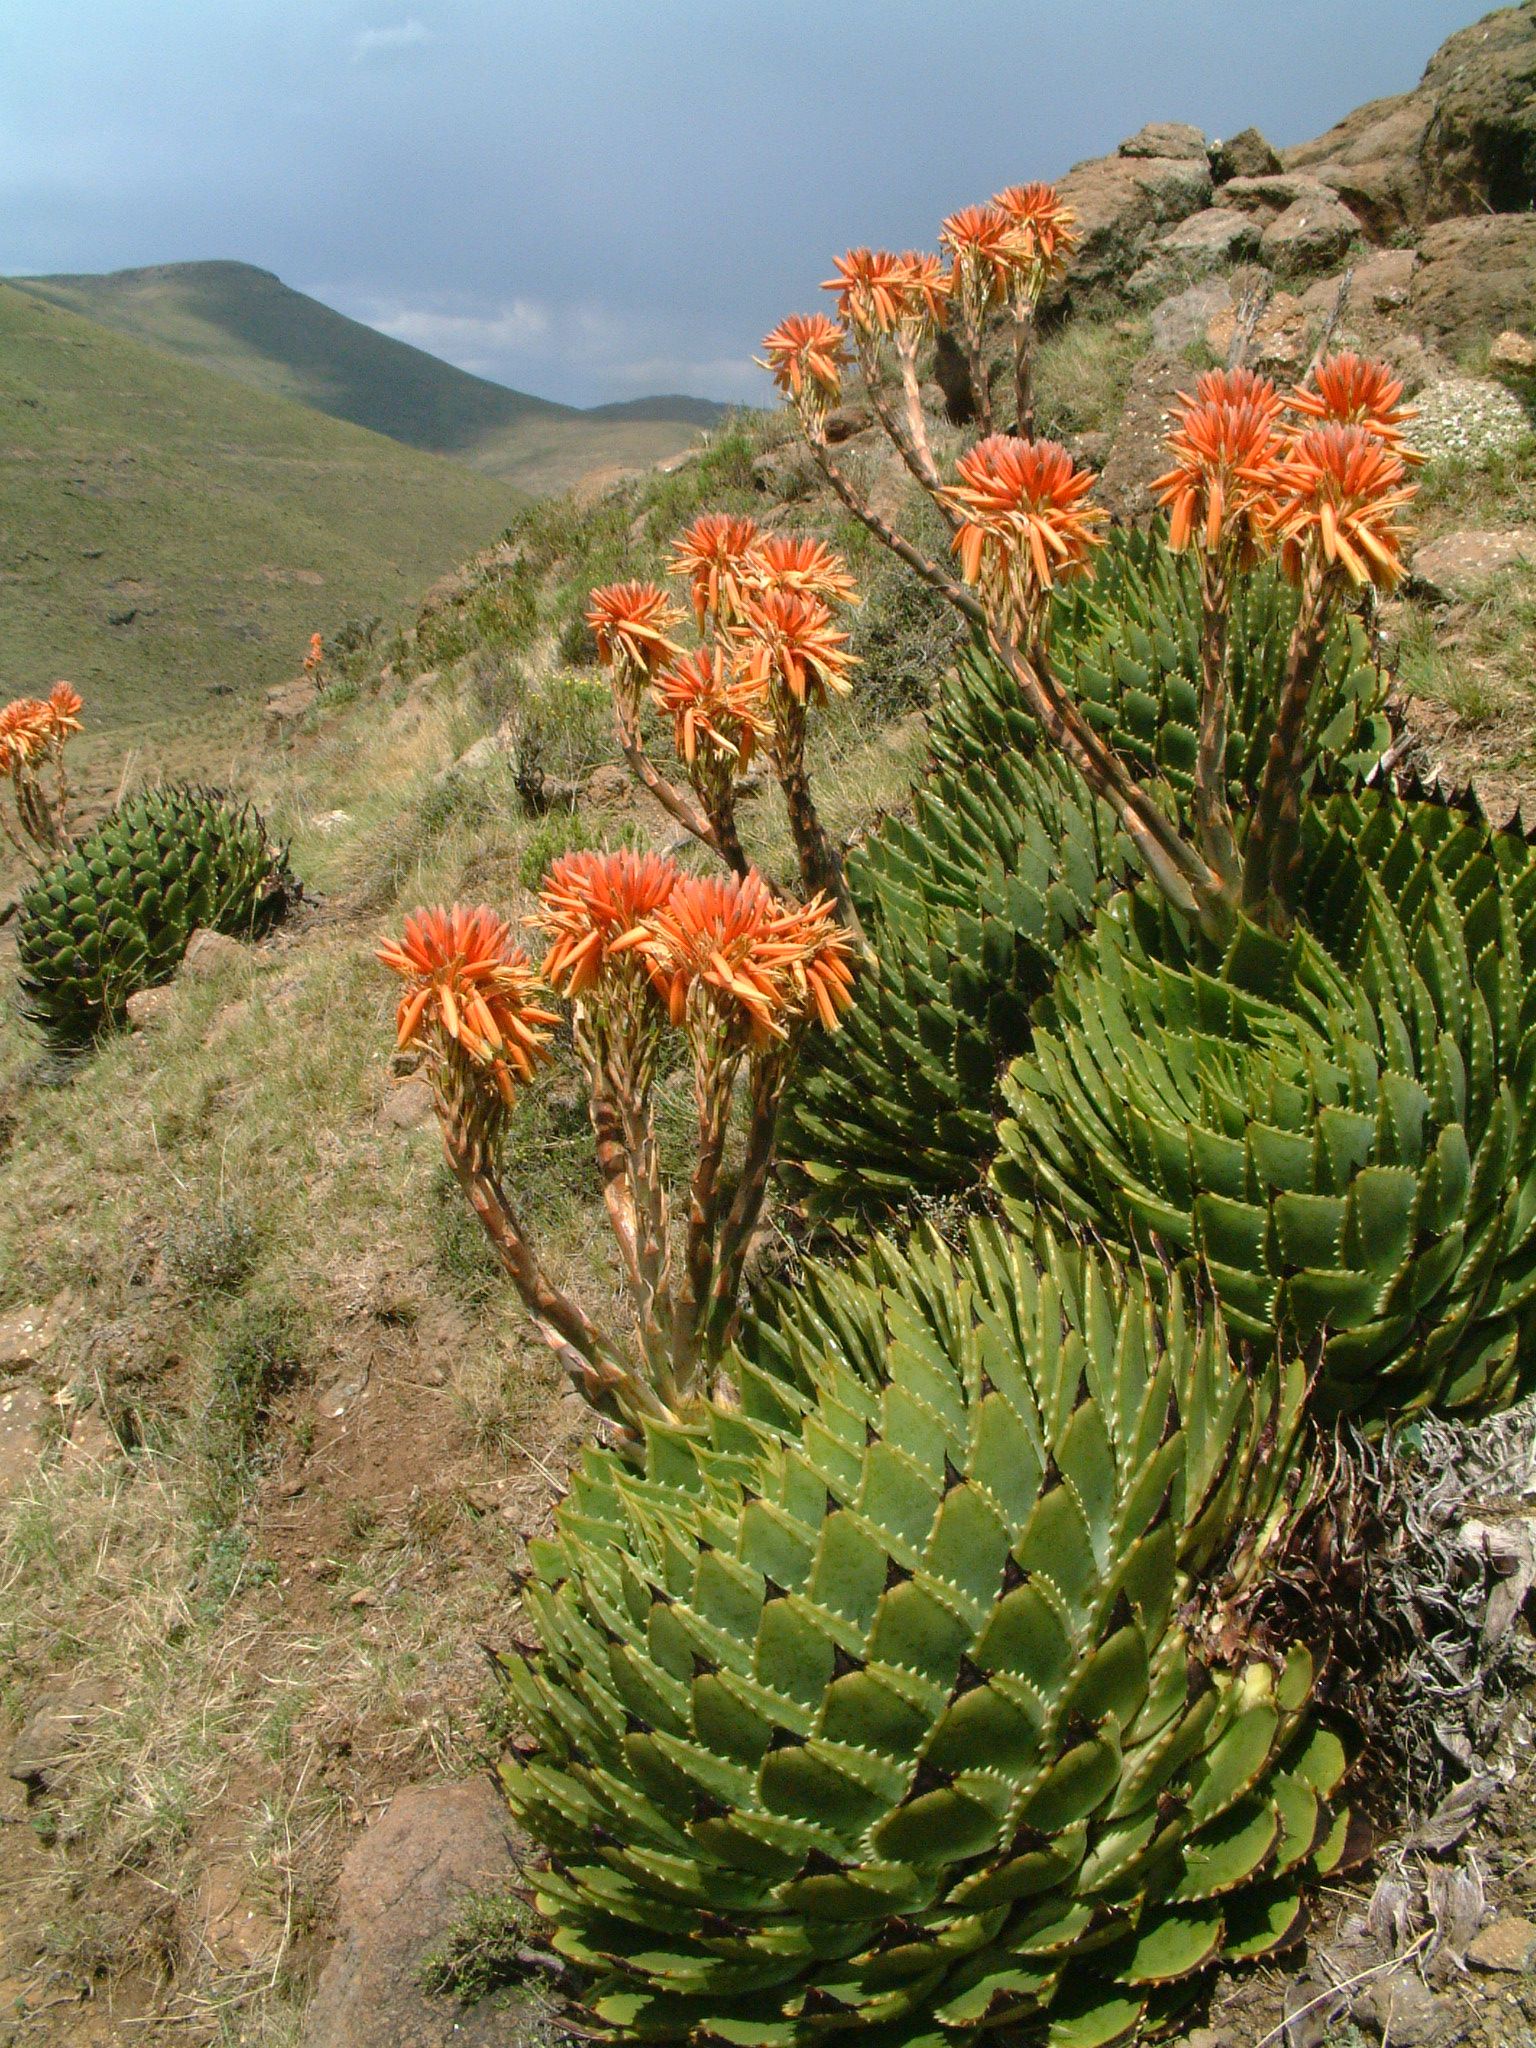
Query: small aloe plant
34, 731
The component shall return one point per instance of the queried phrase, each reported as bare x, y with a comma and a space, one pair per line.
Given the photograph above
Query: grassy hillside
246, 323
169, 539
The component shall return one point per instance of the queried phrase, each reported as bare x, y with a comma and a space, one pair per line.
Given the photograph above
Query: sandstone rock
1513, 354
286, 704
1281, 343
1463, 564
1405, 2012
1213, 239
1509, 1945
1382, 280
24, 1418
1470, 419
209, 953
147, 1007
1182, 320
1380, 143
1244, 155
408, 1105
1311, 234
844, 421
1270, 193
1138, 454
1381, 194
1479, 147
610, 787
785, 473
1475, 277
53, 1730
402, 1886
1166, 139
1121, 202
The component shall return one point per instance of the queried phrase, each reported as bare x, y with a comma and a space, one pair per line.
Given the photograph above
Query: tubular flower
722, 937
1232, 387
1341, 490
821, 969
1227, 469
593, 907
1349, 391
316, 654
64, 707
707, 698
468, 990
805, 355
715, 554
630, 622
797, 562
1025, 519
1043, 236
870, 286
979, 238
26, 727
789, 637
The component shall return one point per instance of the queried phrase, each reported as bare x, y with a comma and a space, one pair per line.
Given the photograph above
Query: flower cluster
1025, 522
30, 727
34, 731
1319, 474
469, 995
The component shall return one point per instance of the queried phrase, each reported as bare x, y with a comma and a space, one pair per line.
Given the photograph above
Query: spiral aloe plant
114, 915
923, 1692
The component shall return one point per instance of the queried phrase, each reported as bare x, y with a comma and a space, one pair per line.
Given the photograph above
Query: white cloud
383, 42
475, 341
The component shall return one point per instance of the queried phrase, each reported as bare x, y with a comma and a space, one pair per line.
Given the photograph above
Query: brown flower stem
917, 424
954, 593
1214, 833
667, 794
1269, 853
714, 1084
911, 446
769, 1073
821, 865
1023, 371
717, 794
981, 383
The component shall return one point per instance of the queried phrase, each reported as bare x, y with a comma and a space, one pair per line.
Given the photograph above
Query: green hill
246, 323
169, 538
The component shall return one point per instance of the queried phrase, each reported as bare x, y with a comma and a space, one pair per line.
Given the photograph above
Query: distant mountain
169, 536
247, 324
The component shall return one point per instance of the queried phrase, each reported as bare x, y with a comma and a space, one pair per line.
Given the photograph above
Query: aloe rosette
918, 1693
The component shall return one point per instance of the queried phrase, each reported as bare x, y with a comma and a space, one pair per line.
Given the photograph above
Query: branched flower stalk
34, 732
1317, 477
637, 949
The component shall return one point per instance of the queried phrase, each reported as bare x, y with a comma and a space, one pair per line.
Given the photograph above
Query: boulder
1381, 194
54, 1729
1166, 139
1509, 1945
1213, 239
1513, 354
1468, 419
209, 953
1479, 146
844, 421
404, 1883
1137, 454
147, 1007
1474, 278
1282, 339
1268, 194
1379, 144
1311, 234
1121, 202
1178, 323
1380, 282
1464, 564
408, 1105
1244, 155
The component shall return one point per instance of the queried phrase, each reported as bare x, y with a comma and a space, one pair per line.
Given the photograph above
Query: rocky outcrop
1166, 139
1311, 235
1475, 276
1121, 203
1211, 240
1247, 154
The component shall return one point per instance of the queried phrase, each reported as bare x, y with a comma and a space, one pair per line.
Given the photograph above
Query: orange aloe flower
1227, 469
593, 908
630, 622
979, 240
820, 966
797, 562
26, 727
1349, 391
789, 637
468, 992
715, 554
761, 966
708, 698
870, 286
64, 707
924, 289
1043, 235
1026, 522
315, 655
1341, 489
1232, 387
806, 354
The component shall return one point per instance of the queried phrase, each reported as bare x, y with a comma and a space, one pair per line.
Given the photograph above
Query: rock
1213, 239
1281, 343
1475, 277
147, 1007
52, 1731
1406, 2013
1479, 146
1512, 354
331, 821
1270, 193
1509, 1945
610, 787
1381, 281
786, 473
209, 953
1244, 155
1166, 139
1470, 419
408, 1105
1461, 565
403, 1884
1121, 202
1311, 234
1376, 194
288, 703
24, 1418
589, 490
478, 757
1379, 146
844, 421
1138, 454
26, 1334
1181, 321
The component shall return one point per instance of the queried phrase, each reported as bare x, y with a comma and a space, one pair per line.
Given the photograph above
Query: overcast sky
592, 199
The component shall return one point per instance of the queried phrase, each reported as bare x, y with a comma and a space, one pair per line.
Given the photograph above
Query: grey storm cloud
596, 198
